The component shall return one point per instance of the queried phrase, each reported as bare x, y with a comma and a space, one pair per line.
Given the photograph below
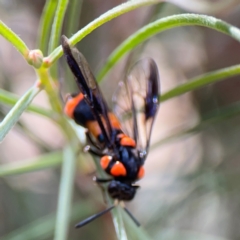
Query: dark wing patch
87, 85
136, 102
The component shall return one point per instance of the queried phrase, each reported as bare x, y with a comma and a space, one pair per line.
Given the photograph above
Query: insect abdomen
78, 109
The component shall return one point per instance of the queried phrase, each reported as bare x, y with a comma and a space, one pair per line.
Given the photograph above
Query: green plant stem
201, 81
45, 24
54, 100
50, 87
44, 161
118, 223
65, 194
164, 24
14, 114
111, 14
14, 39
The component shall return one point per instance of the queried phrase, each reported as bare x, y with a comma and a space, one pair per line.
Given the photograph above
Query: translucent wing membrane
88, 86
135, 102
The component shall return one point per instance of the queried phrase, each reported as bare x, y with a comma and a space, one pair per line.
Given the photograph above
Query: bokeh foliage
185, 202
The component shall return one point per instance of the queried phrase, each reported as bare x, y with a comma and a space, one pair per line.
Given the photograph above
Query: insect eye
118, 169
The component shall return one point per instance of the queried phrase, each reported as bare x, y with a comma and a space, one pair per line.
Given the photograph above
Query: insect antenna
132, 217
93, 217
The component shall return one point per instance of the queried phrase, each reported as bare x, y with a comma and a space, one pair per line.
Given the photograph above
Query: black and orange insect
120, 139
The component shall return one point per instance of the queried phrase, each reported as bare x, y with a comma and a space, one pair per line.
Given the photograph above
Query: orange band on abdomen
93, 128
118, 170
114, 121
141, 172
105, 160
127, 141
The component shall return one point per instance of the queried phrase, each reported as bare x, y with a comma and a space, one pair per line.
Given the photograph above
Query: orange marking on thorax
105, 160
118, 169
71, 104
141, 172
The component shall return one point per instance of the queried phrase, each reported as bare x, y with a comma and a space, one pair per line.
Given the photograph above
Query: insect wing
88, 86
136, 102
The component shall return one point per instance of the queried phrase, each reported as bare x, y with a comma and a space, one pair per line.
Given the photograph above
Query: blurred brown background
192, 186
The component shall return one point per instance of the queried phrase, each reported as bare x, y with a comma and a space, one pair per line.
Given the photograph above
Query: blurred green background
191, 189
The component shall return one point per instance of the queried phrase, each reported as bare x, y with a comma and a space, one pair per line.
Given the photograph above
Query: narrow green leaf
41, 162
14, 39
57, 24
164, 24
73, 16
194, 84
56, 32
43, 228
45, 24
111, 14
223, 113
11, 99
65, 194
71, 26
23, 129
201, 81
180, 234
134, 231
206, 6
208, 120
12, 117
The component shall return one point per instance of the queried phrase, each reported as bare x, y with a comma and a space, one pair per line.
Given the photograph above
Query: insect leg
93, 150
93, 217
93, 143
102, 180
99, 182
